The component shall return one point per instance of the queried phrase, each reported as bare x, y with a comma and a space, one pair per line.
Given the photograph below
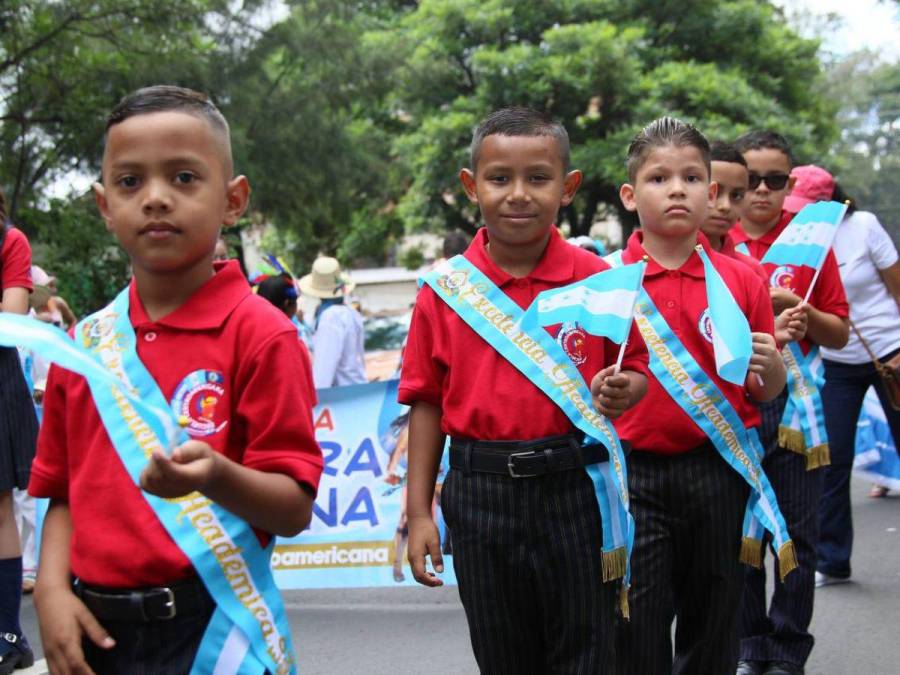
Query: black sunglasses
773, 181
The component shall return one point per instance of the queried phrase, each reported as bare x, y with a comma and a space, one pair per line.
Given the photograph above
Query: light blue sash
802, 427
743, 248
520, 339
695, 393
248, 632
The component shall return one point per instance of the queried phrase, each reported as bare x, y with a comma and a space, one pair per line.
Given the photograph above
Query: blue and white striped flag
602, 304
732, 341
808, 237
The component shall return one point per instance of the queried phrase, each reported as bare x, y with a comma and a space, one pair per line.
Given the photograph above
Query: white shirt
862, 247
338, 350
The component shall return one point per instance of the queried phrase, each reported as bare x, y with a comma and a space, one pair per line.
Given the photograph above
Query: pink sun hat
813, 184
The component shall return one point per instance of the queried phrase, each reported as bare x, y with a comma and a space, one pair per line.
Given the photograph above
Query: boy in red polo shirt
687, 500
235, 374
526, 550
778, 642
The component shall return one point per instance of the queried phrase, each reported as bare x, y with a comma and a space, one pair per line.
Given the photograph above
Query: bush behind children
151, 573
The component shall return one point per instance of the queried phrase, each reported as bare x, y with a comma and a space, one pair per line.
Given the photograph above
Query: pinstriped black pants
782, 632
688, 511
527, 556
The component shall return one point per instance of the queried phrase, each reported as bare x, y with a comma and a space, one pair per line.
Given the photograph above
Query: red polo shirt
15, 261
481, 394
658, 424
728, 249
828, 293
231, 363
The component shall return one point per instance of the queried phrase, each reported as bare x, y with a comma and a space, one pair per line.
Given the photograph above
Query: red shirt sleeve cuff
408, 396
45, 485
302, 469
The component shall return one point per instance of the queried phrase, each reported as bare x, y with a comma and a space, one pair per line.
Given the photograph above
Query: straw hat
326, 280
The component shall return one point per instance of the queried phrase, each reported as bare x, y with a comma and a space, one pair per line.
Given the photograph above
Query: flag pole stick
819, 269
625, 341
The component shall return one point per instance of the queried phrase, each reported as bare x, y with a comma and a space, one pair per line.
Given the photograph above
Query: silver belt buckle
169, 603
509, 464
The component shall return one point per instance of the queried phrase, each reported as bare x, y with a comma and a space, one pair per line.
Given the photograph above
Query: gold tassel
791, 439
613, 563
623, 603
751, 551
787, 559
818, 456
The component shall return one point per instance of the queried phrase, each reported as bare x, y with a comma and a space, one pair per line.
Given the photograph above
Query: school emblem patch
705, 325
453, 281
573, 341
783, 277
196, 403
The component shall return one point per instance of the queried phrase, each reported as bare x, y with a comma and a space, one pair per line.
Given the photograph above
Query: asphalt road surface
412, 630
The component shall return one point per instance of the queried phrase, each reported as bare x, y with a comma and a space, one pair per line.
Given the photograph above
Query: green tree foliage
866, 159
604, 68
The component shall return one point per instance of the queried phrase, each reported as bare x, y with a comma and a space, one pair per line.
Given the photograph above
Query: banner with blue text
358, 529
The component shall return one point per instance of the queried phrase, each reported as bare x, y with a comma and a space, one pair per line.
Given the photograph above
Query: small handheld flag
602, 304
732, 341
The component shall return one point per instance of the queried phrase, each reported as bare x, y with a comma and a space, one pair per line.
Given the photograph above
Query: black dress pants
527, 556
688, 512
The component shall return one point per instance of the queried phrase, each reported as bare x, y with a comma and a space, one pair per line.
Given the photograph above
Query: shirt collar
207, 308
693, 266
557, 262
738, 235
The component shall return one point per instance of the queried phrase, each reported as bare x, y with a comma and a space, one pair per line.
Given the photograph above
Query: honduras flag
732, 342
602, 304
808, 237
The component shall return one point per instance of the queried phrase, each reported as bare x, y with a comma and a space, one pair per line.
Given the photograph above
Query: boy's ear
467, 178
102, 205
570, 186
790, 185
713, 193
237, 196
626, 194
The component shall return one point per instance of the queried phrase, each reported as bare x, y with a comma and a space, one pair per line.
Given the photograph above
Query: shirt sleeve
636, 357
16, 261
328, 345
828, 295
761, 317
881, 247
421, 374
50, 469
275, 407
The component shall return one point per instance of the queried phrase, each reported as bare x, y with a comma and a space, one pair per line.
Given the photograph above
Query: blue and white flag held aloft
602, 304
732, 341
808, 237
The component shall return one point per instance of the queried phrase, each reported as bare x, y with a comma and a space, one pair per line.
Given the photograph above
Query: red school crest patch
783, 277
573, 340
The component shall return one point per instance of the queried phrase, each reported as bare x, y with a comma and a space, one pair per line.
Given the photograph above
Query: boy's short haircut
720, 151
168, 98
519, 121
661, 133
765, 139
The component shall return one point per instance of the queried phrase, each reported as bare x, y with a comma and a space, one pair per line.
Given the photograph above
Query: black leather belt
145, 604
524, 459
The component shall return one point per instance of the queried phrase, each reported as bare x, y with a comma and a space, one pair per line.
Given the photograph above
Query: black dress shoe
14, 653
750, 667
783, 668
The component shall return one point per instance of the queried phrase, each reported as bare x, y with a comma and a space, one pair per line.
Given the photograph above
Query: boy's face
167, 191
671, 192
731, 178
762, 204
519, 186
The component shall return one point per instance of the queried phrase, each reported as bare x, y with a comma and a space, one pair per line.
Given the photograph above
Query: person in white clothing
870, 271
338, 341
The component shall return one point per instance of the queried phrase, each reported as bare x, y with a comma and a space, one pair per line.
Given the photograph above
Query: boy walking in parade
695, 479
168, 548
520, 497
777, 641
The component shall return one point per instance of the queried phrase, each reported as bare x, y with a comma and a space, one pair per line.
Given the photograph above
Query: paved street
401, 631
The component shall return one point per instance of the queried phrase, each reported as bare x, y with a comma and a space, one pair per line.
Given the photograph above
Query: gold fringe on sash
613, 563
792, 439
751, 551
787, 559
818, 456
623, 603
